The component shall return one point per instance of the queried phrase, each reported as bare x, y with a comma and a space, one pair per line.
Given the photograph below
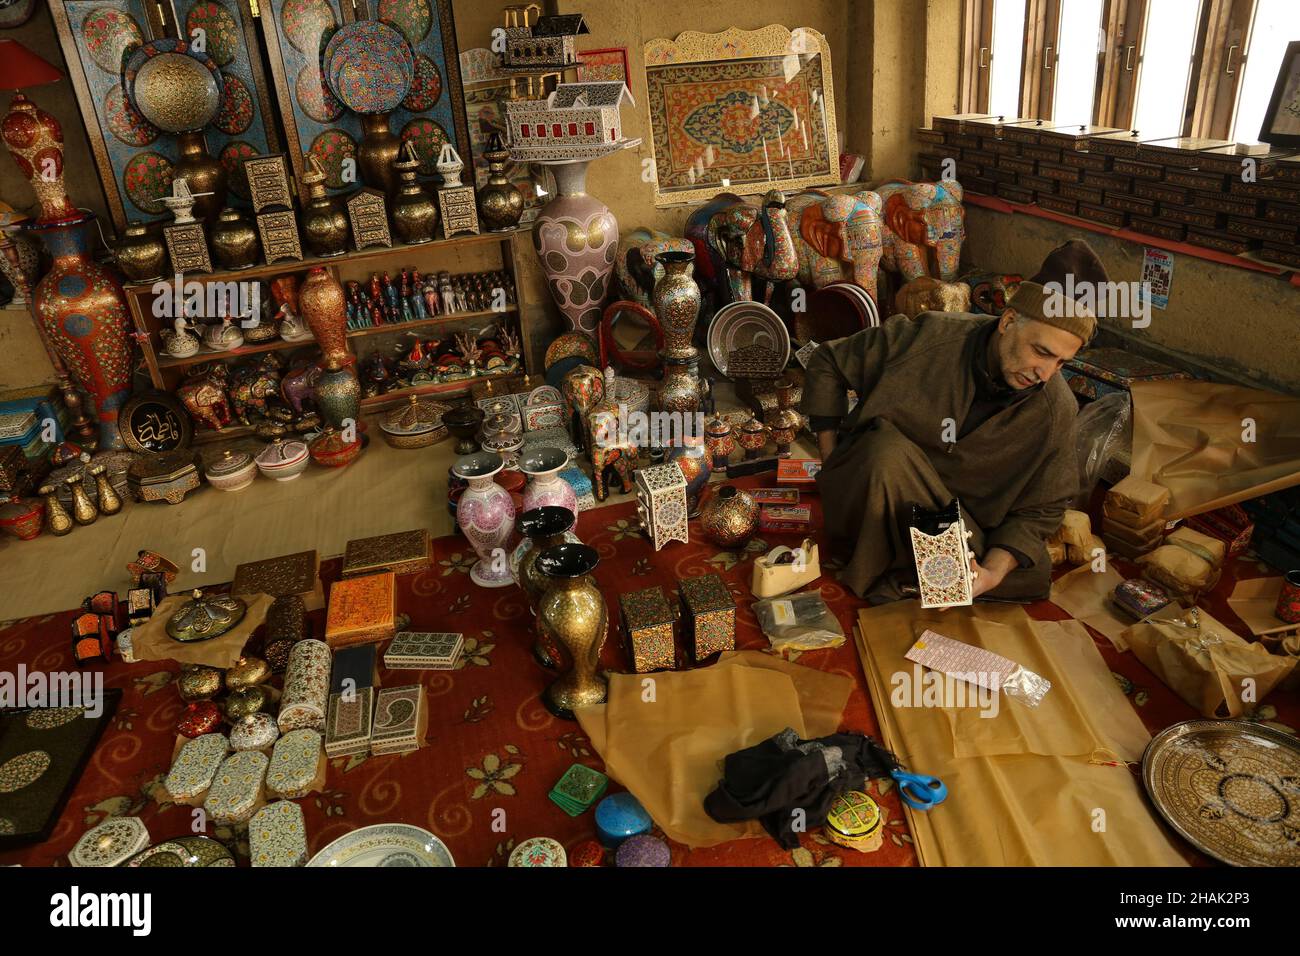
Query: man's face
1032, 351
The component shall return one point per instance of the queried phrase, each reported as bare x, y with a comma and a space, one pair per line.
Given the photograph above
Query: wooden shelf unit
167, 372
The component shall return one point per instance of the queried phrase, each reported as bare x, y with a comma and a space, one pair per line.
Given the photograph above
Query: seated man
952, 406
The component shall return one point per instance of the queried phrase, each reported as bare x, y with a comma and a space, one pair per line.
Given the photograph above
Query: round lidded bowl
233, 471
619, 815
853, 821
283, 460
332, 450
416, 424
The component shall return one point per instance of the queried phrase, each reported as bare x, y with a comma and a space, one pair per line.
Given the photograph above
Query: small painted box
647, 621
798, 471
287, 574
112, 842
195, 767
400, 720
661, 503
361, 610
785, 518
348, 726
424, 650
277, 835
404, 552
544, 408
139, 605
708, 616
1139, 598
237, 790
306, 687
295, 764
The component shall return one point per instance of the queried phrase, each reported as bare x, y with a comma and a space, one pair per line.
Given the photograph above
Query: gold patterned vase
57, 519
572, 615
500, 204
542, 528
323, 304
415, 215
324, 223
676, 300
233, 240
377, 152
141, 256
729, 518
203, 174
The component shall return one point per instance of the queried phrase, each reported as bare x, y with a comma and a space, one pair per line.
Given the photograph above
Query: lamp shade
21, 68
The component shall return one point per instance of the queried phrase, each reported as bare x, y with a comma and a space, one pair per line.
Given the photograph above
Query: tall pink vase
576, 238
82, 309
486, 514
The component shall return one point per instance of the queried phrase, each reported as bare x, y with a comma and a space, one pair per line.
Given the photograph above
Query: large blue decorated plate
369, 67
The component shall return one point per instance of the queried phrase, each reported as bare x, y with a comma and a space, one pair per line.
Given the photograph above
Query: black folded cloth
773, 780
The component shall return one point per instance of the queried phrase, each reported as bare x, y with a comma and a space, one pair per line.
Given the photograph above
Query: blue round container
619, 816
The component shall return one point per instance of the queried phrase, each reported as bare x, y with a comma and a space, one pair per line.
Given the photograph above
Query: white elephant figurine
921, 219
839, 238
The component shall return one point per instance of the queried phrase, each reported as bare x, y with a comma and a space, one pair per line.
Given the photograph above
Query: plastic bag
1103, 428
799, 622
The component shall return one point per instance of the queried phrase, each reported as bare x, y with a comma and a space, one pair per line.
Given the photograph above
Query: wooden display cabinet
488, 252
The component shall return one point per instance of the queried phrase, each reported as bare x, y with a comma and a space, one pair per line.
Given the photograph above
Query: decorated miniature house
548, 44
576, 119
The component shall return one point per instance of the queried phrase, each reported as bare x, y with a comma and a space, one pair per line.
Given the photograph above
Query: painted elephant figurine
299, 386
251, 385
584, 388
837, 238
621, 460
636, 267
710, 267
204, 396
754, 241
920, 219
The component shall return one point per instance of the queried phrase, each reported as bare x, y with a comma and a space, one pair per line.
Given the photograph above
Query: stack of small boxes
1132, 517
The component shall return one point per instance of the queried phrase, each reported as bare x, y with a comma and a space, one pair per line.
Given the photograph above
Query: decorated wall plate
369, 66
385, 844
746, 324
155, 422
195, 851
1231, 788
174, 86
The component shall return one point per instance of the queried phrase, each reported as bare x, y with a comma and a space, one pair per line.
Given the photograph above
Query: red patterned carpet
491, 743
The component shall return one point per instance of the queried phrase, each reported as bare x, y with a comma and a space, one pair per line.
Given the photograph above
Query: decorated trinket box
785, 518
168, 477
424, 650
539, 851
661, 503
403, 552
113, 841
237, 789
942, 556
400, 720
854, 821
295, 764
619, 817
287, 574
1139, 598
544, 409
708, 616
648, 628
306, 687
361, 610
194, 768
643, 850
348, 726
277, 835
578, 789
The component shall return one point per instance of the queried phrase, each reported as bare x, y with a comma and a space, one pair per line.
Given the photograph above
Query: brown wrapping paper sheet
1085, 595
1255, 602
1206, 666
150, 642
1187, 437
1013, 810
669, 753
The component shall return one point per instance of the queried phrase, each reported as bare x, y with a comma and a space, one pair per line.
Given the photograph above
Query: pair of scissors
919, 791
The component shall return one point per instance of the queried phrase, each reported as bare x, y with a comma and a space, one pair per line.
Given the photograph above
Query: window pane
1276, 23
1076, 65
1008, 51
1167, 45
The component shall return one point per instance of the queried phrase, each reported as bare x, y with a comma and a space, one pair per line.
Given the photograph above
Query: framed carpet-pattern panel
42, 754
486, 90
244, 127
134, 158
743, 110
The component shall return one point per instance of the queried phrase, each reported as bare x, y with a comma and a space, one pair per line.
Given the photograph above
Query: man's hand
826, 443
997, 565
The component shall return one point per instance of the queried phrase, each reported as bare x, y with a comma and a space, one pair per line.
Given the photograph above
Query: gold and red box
362, 610
785, 518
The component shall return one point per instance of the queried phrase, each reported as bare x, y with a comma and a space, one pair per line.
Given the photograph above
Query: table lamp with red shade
34, 137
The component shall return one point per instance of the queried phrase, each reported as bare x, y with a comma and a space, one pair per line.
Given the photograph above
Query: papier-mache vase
82, 310
572, 615
676, 299
576, 238
324, 306
545, 486
486, 514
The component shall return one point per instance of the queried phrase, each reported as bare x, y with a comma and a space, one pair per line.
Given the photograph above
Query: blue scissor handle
919, 791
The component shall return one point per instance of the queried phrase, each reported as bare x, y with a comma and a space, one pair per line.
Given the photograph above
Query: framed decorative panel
486, 90
609, 64
743, 110
244, 127
134, 158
